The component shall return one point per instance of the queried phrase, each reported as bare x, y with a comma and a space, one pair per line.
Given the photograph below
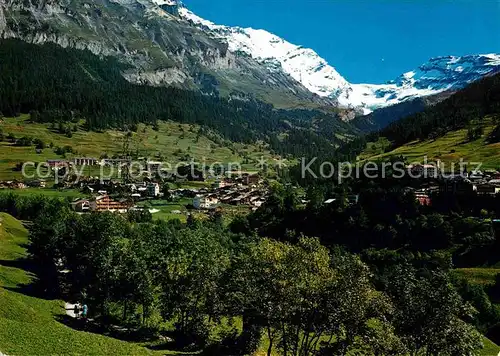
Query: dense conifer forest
478, 100
57, 84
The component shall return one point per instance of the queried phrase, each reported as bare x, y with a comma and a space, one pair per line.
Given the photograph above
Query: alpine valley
165, 43
171, 186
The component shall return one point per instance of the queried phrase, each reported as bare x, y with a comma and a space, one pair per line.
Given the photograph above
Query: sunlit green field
490, 349
450, 148
482, 276
172, 143
164, 209
60, 193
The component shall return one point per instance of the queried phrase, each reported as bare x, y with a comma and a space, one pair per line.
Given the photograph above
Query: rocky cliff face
276, 54
3, 21
136, 31
160, 48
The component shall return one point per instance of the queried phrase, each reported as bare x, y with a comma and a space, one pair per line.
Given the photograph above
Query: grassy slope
449, 148
171, 138
27, 324
482, 276
490, 349
49, 192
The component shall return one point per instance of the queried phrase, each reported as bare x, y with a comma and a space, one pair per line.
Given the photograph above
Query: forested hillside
478, 100
478, 142
378, 276
57, 84
460, 111
381, 118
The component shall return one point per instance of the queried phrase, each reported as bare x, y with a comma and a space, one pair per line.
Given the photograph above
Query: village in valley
475, 182
191, 190
248, 192
174, 195
210, 179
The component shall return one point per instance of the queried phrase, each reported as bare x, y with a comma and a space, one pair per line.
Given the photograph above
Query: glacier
314, 73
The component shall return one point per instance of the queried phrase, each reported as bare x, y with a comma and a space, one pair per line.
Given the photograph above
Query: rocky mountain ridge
165, 43
448, 73
159, 47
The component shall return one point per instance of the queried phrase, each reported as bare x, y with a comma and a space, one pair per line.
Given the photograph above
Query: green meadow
481, 276
449, 148
60, 193
171, 142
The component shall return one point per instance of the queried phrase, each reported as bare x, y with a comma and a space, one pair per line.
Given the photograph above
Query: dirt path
70, 311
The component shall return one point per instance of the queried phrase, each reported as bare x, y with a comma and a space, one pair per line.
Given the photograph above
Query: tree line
66, 85
201, 278
388, 222
471, 104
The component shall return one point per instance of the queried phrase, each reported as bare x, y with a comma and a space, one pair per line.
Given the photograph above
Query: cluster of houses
109, 186
482, 183
247, 190
13, 184
16, 184
487, 183
129, 194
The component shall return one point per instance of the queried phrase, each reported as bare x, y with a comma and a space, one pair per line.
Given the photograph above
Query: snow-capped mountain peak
166, 2
314, 73
190, 16
437, 75
303, 64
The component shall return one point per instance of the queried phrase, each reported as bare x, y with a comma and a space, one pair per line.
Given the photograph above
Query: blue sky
369, 41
